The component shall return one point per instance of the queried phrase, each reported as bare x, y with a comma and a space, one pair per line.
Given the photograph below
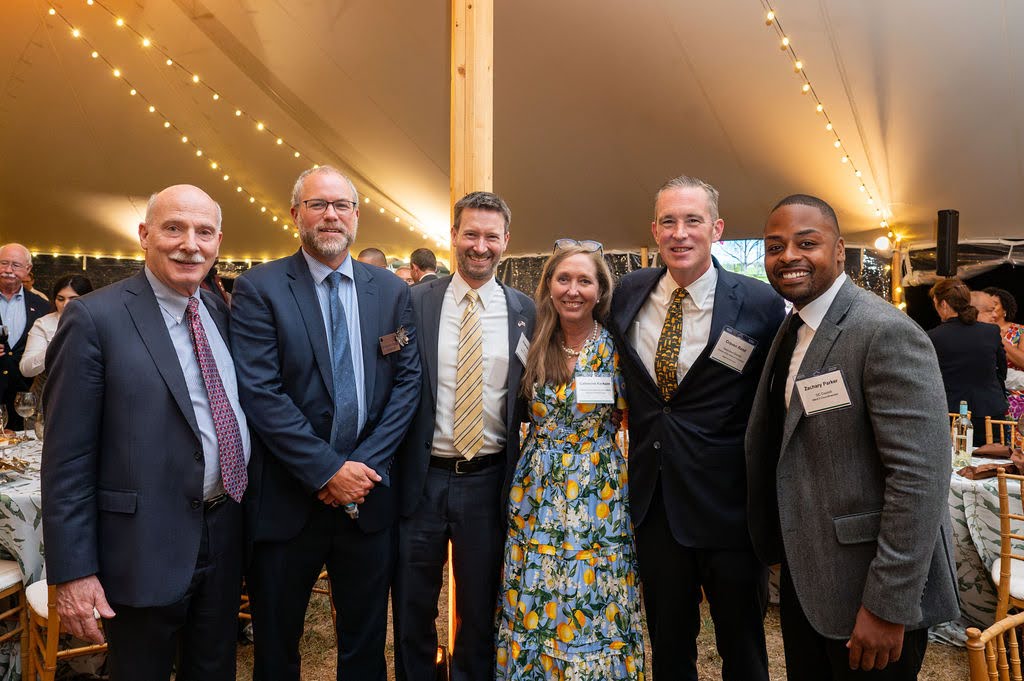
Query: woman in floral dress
569, 601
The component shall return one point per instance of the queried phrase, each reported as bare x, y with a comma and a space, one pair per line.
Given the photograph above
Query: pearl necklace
572, 352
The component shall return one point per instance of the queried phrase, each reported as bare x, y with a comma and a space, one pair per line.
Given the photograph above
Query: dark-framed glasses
341, 206
588, 245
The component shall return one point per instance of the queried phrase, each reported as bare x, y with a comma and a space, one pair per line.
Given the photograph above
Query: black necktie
780, 372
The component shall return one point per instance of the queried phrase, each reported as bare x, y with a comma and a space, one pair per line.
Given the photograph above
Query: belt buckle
458, 466
213, 503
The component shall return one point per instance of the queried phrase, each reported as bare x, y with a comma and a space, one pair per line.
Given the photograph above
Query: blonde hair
545, 363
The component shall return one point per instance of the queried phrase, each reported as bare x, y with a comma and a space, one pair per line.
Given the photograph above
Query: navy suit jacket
122, 473
11, 379
426, 304
694, 442
973, 364
286, 385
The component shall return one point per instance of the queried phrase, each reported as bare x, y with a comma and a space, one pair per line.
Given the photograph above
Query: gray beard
324, 246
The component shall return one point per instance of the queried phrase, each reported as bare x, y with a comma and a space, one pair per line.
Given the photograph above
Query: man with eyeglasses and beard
329, 375
19, 310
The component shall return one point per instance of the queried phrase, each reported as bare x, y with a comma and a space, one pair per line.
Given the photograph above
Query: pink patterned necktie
225, 424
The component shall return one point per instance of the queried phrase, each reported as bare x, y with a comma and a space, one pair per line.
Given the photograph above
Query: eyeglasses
341, 206
4, 264
588, 245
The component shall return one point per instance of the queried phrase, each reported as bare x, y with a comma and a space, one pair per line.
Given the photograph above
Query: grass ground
942, 663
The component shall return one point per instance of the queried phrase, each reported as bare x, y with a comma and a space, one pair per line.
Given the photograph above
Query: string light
786, 45
170, 61
166, 123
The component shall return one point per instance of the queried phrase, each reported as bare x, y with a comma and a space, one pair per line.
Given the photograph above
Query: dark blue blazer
973, 364
427, 299
286, 386
694, 442
122, 473
11, 380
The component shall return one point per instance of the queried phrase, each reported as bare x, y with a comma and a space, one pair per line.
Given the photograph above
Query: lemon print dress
569, 601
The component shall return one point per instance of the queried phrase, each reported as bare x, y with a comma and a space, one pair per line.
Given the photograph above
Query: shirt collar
460, 288
814, 312
699, 292
320, 271
170, 300
17, 296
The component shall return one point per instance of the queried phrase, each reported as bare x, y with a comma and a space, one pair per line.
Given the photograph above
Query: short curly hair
1006, 299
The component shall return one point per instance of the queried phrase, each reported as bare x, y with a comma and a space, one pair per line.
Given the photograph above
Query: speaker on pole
946, 235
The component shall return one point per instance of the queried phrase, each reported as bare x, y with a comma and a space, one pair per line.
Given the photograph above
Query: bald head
180, 193
986, 305
181, 237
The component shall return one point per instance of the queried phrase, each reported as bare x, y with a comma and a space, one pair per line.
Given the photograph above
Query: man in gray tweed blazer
848, 460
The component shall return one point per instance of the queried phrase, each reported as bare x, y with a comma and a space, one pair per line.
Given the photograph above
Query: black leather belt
210, 504
463, 466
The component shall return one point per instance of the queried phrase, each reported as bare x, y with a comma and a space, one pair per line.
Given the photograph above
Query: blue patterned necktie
346, 403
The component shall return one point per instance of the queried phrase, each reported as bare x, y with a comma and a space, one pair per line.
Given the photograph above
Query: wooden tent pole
472, 99
472, 136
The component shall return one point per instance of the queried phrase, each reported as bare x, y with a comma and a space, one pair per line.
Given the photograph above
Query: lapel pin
521, 323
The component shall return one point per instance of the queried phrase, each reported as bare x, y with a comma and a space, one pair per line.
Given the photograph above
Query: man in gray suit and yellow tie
848, 464
458, 458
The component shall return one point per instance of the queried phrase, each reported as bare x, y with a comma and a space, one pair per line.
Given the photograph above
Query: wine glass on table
25, 405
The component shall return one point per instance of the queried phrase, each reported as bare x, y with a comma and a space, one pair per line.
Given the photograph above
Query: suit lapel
431, 321
818, 351
301, 285
626, 315
516, 327
144, 310
369, 299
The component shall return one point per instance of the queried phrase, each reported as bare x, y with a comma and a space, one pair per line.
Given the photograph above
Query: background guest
971, 355
423, 264
571, 456
1005, 311
28, 280
373, 256
19, 310
33, 362
405, 274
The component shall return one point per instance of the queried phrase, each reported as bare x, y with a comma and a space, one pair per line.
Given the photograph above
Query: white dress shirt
172, 307
493, 313
812, 314
698, 307
33, 362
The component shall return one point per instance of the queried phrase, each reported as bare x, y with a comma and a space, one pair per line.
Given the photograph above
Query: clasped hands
349, 485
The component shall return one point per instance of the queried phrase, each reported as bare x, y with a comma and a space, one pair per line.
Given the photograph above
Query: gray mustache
186, 259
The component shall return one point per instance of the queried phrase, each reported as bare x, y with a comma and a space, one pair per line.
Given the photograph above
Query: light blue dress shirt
349, 300
172, 306
13, 314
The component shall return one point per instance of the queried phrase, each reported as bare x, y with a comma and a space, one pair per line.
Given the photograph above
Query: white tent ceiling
596, 103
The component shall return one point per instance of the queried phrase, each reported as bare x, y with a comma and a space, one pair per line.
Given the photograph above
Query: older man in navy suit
330, 376
693, 338
20, 307
145, 455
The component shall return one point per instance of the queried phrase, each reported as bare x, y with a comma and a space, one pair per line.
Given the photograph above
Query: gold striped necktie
468, 433
666, 359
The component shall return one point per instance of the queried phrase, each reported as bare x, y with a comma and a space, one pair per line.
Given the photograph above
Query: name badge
522, 348
393, 342
594, 389
733, 349
823, 391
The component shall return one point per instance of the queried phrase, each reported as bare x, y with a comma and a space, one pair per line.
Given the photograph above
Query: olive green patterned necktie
666, 359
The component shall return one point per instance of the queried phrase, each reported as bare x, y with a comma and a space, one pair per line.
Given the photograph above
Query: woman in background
1005, 311
971, 356
33, 362
570, 605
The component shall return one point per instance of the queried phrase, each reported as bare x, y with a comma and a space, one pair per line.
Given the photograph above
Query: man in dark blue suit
329, 375
19, 310
144, 458
454, 488
693, 338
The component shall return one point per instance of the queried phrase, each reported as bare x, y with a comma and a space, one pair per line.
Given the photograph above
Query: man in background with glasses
329, 376
693, 338
19, 310
458, 460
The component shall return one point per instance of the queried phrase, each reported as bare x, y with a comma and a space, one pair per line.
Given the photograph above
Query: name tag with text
823, 391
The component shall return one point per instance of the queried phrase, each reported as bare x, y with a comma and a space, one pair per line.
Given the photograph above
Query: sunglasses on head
588, 245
